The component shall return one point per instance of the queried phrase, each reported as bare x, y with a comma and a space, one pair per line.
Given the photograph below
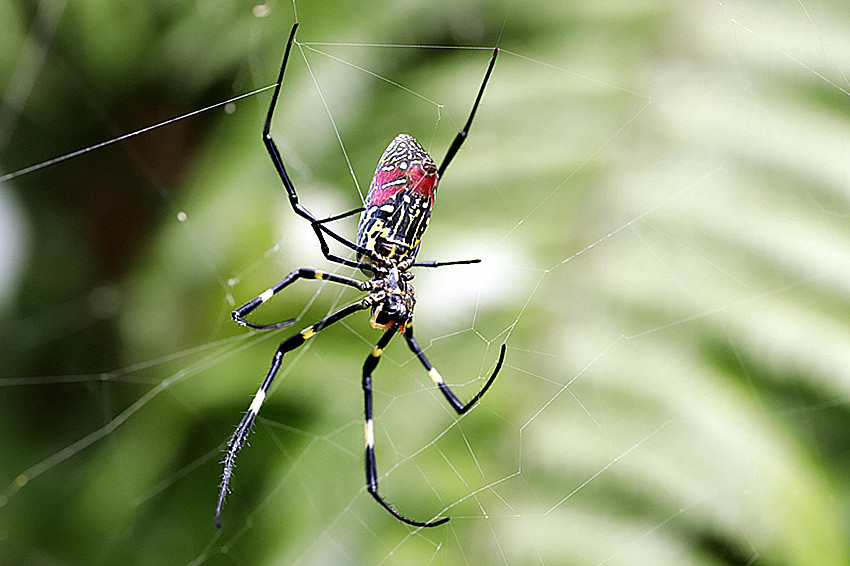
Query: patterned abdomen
399, 202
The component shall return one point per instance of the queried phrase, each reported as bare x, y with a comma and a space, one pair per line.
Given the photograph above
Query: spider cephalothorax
395, 215
391, 296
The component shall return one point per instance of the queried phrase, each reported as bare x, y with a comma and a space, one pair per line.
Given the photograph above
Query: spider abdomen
399, 202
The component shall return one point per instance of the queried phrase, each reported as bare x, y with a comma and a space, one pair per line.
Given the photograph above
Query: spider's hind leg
277, 160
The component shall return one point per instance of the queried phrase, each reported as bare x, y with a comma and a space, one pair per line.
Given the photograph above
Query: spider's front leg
237, 441
371, 465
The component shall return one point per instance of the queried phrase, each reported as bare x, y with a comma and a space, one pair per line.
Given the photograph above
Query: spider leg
452, 151
461, 135
318, 228
302, 273
237, 441
459, 407
339, 216
274, 153
371, 467
444, 263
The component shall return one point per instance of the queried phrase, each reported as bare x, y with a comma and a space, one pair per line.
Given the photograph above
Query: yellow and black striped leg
303, 273
237, 441
371, 466
459, 407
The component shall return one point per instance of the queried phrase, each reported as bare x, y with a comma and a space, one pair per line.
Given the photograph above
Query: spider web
659, 200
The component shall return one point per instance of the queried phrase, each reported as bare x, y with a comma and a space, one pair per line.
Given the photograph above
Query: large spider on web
396, 213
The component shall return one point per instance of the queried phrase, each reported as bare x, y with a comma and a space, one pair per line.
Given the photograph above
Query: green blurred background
659, 192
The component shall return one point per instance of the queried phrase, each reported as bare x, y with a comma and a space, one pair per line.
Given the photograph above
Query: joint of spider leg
405, 264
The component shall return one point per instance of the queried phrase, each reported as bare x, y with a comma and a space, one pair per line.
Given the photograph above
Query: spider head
392, 309
393, 299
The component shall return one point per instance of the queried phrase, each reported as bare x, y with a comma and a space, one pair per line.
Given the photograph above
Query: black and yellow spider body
398, 207
396, 213
399, 202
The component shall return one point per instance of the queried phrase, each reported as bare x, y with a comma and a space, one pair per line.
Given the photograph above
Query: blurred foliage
659, 192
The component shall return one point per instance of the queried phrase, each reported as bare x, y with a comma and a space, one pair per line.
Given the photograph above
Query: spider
396, 213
